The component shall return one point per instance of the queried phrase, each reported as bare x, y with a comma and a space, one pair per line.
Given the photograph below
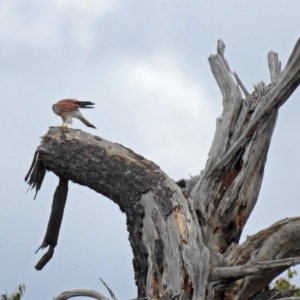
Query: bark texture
57, 212
169, 255
184, 236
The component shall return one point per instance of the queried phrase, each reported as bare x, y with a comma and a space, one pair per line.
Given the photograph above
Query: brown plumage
69, 108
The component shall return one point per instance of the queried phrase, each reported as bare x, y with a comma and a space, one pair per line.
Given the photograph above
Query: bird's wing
67, 105
74, 104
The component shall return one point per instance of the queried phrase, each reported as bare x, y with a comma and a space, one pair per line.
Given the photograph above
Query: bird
69, 108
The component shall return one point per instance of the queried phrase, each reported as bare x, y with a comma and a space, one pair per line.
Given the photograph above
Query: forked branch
177, 232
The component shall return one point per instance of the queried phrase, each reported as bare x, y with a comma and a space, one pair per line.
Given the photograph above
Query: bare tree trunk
184, 235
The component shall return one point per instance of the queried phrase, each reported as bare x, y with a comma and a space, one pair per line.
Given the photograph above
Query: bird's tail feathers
85, 104
86, 122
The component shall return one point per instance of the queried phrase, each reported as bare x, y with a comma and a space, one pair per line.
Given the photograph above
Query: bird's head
55, 109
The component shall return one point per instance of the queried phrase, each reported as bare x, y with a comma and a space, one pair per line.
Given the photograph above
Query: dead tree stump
185, 235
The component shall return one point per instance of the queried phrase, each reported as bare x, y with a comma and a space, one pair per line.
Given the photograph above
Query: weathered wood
228, 188
86, 293
274, 66
252, 268
279, 241
45, 258
58, 206
274, 295
80, 293
182, 232
36, 173
109, 290
161, 221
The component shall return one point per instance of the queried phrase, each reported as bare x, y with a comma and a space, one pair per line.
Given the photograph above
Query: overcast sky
144, 64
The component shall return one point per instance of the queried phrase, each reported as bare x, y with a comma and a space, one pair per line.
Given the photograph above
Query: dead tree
185, 235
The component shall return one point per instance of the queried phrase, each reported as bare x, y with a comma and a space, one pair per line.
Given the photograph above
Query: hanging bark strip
35, 178
57, 212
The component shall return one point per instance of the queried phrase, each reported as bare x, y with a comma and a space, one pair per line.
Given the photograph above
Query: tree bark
163, 229
184, 235
57, 212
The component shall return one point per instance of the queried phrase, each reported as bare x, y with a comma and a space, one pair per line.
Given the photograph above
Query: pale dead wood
241, 85
180, 232
277, 242
228, 188
252, 268
109, 290
86, 293
274, 66
80, 293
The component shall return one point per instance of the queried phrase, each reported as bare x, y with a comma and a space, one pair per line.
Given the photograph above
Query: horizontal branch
86, 293
106, 167
80, 293
274, 294
252, 268
275, 243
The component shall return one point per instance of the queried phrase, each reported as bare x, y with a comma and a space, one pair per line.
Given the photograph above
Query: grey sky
144, 64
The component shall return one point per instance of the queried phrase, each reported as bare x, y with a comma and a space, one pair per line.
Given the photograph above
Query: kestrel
68, 109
